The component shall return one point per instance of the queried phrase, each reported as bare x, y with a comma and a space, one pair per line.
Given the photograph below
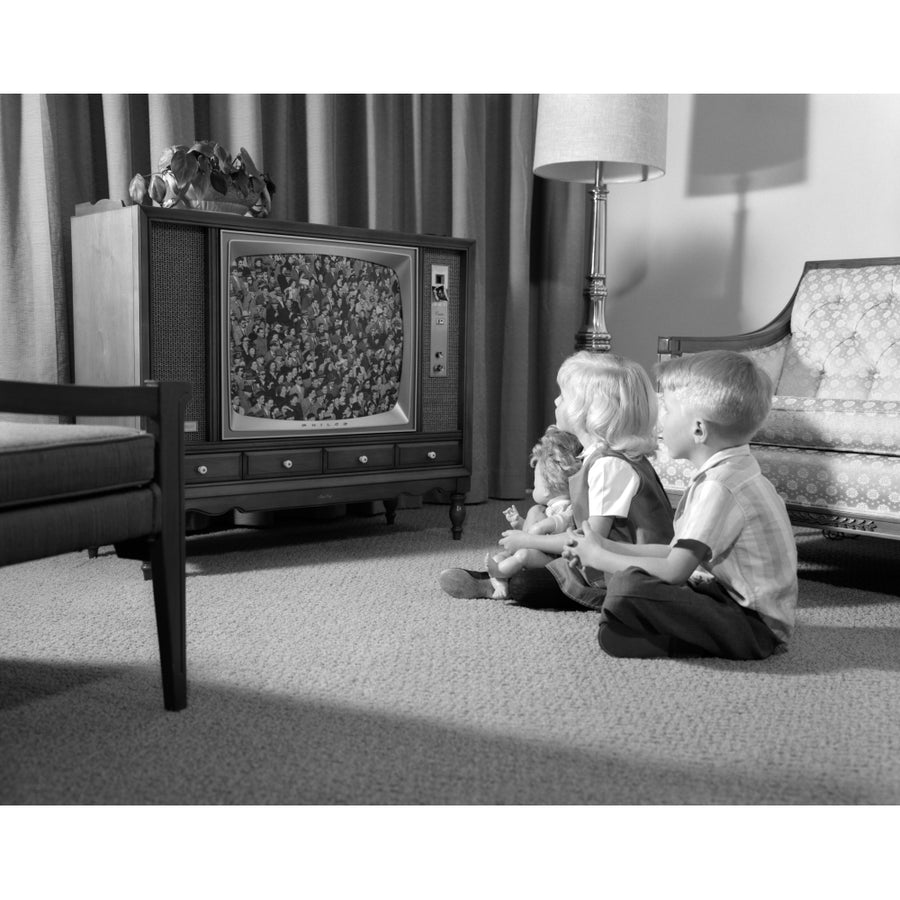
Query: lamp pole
593, 334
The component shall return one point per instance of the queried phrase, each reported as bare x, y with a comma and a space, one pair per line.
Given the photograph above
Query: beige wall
688, 255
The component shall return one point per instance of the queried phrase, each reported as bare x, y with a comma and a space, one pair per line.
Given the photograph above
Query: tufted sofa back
845, 335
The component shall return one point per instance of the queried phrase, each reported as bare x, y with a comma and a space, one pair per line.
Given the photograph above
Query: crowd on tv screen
314, 337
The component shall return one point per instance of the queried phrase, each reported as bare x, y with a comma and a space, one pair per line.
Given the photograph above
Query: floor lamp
599, 139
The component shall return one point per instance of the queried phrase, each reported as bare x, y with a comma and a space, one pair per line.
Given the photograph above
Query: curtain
458, 165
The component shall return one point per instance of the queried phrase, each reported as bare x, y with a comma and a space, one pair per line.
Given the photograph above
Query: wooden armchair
67, 487
831, 443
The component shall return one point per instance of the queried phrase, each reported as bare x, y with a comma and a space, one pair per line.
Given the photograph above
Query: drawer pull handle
432, 454
364, 459
202, 470
288, 463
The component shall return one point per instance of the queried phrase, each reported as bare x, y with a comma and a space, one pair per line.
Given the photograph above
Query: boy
730, 522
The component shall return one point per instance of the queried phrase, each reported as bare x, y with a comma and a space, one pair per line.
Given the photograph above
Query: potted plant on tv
205, 176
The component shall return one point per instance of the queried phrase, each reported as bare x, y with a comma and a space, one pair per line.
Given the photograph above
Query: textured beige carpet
326, 667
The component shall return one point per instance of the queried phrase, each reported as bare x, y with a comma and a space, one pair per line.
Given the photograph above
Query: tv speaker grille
178, 315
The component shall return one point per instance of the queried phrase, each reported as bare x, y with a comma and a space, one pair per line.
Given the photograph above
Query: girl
608, 403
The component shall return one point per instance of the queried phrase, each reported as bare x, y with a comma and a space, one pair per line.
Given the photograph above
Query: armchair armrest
28, 397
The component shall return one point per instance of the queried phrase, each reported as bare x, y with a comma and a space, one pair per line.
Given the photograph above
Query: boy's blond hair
557, 455
612, 399
724, 387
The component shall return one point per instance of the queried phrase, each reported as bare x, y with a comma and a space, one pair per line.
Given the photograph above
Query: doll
554, 459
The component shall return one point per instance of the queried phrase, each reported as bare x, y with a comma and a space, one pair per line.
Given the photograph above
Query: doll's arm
513, 517
552, 544
558, 522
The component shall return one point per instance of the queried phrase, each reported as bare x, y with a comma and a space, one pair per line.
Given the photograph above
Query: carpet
326, 667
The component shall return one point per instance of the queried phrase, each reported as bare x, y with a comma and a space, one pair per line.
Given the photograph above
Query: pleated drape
440, 164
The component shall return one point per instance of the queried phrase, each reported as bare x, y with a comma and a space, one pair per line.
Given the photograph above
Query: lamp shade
625, 132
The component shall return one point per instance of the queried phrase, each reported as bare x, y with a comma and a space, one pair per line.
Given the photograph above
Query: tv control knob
432, 454
288, 463
202, 470
364, 459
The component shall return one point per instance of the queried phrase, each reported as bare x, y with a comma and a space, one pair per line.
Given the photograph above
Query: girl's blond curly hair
612, 399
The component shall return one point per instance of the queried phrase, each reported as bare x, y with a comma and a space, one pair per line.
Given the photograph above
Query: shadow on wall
742, 143
738, 144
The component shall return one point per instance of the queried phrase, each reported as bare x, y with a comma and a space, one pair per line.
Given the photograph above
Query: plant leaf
137, 189
158, 188
218, 181
200, 184
242, 182
166, 158
184, 167
223, 156
205, 148
249, 165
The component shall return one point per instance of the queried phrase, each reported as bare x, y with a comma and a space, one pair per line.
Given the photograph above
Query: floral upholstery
847, 485
845, 336
832, 440
860, 426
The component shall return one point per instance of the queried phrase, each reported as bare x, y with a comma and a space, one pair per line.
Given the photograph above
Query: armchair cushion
41, 462
33, 532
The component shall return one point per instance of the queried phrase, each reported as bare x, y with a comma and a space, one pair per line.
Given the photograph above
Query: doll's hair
557, 455
724, 387
612, 399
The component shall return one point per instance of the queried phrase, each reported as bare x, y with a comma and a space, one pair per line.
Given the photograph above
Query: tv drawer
436, 453
214, 467
359, 458
283, 463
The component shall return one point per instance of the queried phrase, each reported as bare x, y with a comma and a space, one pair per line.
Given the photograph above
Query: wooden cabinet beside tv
153, 299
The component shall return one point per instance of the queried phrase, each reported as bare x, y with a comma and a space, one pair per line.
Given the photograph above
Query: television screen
318, 334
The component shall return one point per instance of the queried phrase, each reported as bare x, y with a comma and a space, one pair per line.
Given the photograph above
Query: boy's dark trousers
645, 617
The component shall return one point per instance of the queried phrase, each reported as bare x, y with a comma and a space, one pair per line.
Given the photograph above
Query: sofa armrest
776, 330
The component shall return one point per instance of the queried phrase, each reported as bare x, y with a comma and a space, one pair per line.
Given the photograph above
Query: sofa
831, 444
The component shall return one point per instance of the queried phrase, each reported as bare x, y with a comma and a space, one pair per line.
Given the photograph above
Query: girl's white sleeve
612, 483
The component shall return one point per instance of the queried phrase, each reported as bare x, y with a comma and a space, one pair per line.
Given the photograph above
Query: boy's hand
514, 540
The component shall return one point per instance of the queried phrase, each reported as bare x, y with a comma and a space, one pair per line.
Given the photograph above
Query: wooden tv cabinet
147, 305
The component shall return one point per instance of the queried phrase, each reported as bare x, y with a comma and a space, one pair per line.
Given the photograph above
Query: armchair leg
167, 564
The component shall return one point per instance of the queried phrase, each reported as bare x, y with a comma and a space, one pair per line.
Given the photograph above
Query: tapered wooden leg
168, 561
390, 510
457, 514
168, 550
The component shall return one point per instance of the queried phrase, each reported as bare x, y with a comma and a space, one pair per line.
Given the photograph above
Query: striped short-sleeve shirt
732, 508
